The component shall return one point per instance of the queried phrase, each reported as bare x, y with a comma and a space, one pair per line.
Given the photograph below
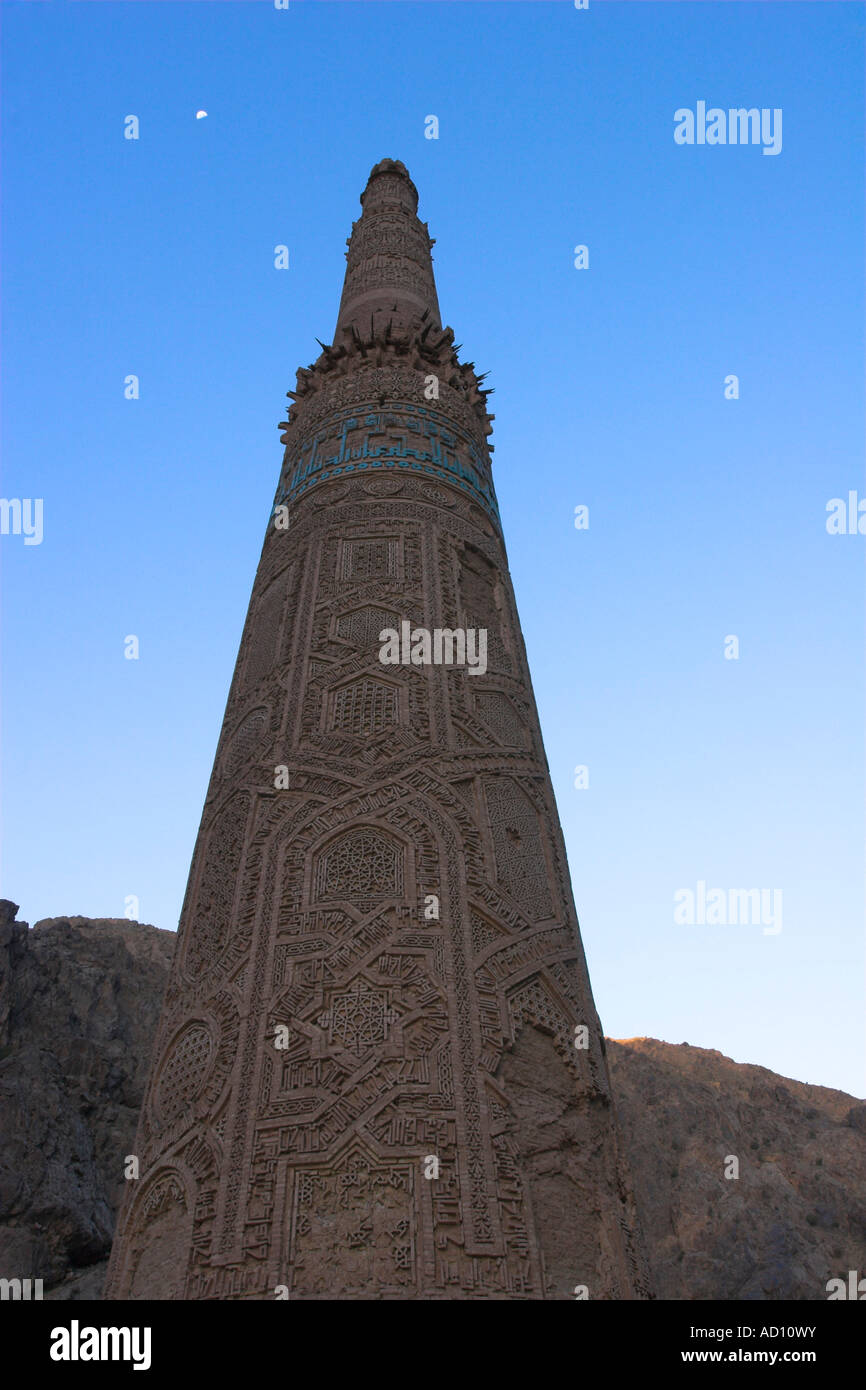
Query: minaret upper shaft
389, 276
389, 311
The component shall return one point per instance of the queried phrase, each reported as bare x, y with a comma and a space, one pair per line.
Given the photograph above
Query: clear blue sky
707, 516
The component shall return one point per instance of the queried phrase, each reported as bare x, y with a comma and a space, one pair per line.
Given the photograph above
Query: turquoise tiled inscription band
354, 442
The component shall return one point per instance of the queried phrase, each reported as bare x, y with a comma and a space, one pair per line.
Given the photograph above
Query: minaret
379, 1072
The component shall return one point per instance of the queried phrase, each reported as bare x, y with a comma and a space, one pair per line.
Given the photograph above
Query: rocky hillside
796, 1215
79, 1000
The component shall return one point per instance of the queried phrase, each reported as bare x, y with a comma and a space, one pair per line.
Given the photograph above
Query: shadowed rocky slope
79, 1002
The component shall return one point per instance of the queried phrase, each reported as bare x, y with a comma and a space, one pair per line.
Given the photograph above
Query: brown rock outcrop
796, 1215
79, 1002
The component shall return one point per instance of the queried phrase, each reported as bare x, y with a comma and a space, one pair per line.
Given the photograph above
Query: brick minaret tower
368, 1078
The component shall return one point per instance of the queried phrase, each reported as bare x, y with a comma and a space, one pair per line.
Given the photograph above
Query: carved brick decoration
362, 627
518, 846
365, 1081
365, 707
361, 864
184, 1072
209, 921
370, 558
